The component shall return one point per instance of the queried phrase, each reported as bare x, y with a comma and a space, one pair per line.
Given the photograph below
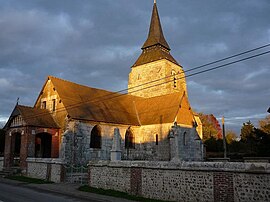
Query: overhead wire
117, 93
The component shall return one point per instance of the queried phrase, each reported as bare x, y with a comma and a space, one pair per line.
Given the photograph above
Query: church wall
48, 94
152, 71
199, 127
146, 147
188, 144
75, 147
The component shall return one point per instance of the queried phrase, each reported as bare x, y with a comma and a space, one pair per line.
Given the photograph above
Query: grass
28, 179
109, 192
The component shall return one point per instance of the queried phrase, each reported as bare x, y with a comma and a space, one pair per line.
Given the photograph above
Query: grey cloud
96, 42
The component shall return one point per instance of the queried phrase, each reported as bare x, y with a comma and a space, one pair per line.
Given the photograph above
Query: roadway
13, 193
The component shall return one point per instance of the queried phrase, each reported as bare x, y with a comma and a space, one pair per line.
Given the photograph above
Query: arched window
129, 139
95, 141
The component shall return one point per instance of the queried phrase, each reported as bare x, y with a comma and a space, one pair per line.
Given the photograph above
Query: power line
201, 66
194, 68
119, 95
207, 70
230, 57
198, 67
190, 75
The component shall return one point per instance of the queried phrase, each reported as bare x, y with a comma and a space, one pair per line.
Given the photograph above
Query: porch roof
32, 117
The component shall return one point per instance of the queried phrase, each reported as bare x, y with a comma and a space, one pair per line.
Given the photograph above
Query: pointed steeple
155, 36
155, 47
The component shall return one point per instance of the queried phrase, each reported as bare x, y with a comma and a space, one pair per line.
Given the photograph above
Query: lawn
28, 179
114, 193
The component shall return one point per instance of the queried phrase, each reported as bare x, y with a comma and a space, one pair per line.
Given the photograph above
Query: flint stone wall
45, 169
185, 181
75, 146
1, 163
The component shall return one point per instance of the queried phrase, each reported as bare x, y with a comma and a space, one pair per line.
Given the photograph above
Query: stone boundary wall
185, 181
1, 163
45, 168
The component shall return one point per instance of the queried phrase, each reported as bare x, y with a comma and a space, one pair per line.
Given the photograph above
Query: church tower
156, 72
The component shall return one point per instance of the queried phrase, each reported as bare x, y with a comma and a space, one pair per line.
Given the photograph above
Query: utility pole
224, 138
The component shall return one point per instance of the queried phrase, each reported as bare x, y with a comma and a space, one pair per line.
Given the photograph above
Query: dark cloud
96, 42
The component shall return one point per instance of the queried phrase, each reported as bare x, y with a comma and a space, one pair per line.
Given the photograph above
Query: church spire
155, 35
155, 47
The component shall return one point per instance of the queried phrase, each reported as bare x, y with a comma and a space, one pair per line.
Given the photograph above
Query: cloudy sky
96, 42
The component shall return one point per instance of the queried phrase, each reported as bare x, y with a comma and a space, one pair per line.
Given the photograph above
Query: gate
76, 174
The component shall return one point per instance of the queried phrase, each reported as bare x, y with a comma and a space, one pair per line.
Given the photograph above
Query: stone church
78, 124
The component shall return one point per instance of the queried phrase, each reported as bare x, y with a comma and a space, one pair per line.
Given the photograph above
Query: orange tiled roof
86, 103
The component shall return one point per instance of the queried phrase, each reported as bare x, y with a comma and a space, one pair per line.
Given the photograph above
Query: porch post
7, 153
24, 149
31, 144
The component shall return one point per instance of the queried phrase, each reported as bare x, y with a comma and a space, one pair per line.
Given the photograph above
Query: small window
43, 105
156, 139
53, 104
95, 141
129, 139
185, 138
174, 79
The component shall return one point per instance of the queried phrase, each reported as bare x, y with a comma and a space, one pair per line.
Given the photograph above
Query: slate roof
155, 47
155, 35
33, 117
153, 54
92, 104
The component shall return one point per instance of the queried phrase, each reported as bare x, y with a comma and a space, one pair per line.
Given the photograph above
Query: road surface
14, 193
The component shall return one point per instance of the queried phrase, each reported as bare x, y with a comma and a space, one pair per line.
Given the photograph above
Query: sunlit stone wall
140, 75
